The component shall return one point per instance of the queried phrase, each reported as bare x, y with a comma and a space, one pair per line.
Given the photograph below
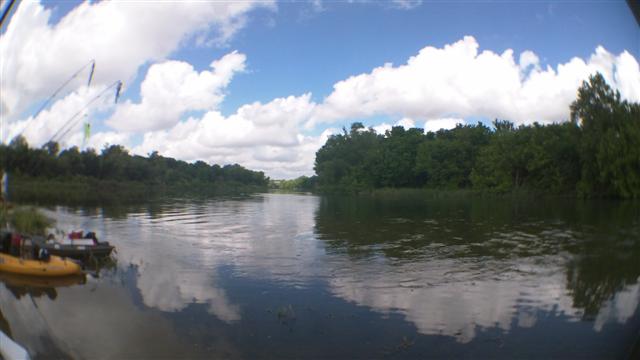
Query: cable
55, 93
64, 130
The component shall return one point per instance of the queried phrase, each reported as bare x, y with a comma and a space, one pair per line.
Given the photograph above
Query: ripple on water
454, 274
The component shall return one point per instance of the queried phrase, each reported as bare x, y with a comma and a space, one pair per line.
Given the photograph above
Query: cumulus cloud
99, 140
460, 80
405, 122
529, 58
429, 125
37, 55
444, 123
438, 87
260, 136
173, 87
62, 120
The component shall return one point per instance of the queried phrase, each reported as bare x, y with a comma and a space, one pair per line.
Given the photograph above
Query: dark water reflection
279, 275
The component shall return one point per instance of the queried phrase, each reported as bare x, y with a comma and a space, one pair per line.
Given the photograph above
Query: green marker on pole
87, 130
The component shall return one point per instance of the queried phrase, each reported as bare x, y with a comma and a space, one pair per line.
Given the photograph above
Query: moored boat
39, 282
54, 266
75, 248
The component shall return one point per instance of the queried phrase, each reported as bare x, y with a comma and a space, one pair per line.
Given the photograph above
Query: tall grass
26, 220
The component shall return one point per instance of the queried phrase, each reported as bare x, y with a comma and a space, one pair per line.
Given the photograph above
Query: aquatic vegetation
27, 220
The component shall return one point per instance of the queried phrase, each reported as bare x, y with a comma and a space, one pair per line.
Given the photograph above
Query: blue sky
297, 49
284, 50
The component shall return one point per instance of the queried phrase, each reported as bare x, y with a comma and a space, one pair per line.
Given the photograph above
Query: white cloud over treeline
435, 89
178, 111
458, 80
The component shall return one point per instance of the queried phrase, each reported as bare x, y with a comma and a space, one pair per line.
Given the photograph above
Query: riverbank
431, 193
86, 190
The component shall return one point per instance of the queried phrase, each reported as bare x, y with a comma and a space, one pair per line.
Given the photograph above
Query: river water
303, 276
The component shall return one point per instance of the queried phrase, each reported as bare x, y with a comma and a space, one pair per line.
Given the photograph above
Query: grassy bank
85, 190
25, 219
430, 193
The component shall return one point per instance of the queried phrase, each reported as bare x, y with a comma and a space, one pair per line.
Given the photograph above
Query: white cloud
173, 87
61, 121
444, 123
438, 86
406, 4
429, 125
529, 58
459, 80
36, 56
406, 123
99, 140
382, 128
258, 136
627, 76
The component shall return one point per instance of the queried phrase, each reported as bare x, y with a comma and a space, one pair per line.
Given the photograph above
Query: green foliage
396, 167
302, 183
89, 171
28, 220
349, 161
610, 141
446, 158
596, 154
540, 158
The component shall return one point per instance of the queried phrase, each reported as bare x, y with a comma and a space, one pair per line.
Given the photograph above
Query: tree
445, 159
498, 166
349, 161
610, 141
52, 148
398, 158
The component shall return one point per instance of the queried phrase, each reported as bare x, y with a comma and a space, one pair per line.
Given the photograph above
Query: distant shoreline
85, 190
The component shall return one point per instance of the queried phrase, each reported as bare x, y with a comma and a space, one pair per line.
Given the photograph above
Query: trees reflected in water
595, 243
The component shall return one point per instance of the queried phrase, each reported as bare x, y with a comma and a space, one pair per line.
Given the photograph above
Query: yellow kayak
37, 282
56, 266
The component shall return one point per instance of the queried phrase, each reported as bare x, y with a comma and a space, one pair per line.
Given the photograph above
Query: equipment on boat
55, 266
76, 247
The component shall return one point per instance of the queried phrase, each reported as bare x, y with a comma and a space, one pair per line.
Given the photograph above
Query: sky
265, 83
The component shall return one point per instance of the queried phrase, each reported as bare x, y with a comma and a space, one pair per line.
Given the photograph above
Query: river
304, 276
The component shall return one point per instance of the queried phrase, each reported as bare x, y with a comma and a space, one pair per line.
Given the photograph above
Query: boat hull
56, 266
79, 251
39, 282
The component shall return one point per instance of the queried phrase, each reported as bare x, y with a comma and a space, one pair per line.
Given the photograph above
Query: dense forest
596, 154
47, 170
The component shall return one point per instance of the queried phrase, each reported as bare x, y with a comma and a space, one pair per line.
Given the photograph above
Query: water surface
284, 275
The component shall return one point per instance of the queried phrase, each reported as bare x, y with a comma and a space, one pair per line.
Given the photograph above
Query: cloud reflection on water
446, 274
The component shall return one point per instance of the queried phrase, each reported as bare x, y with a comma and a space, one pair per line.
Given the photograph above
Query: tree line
596, 154
302, 183
114, 163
